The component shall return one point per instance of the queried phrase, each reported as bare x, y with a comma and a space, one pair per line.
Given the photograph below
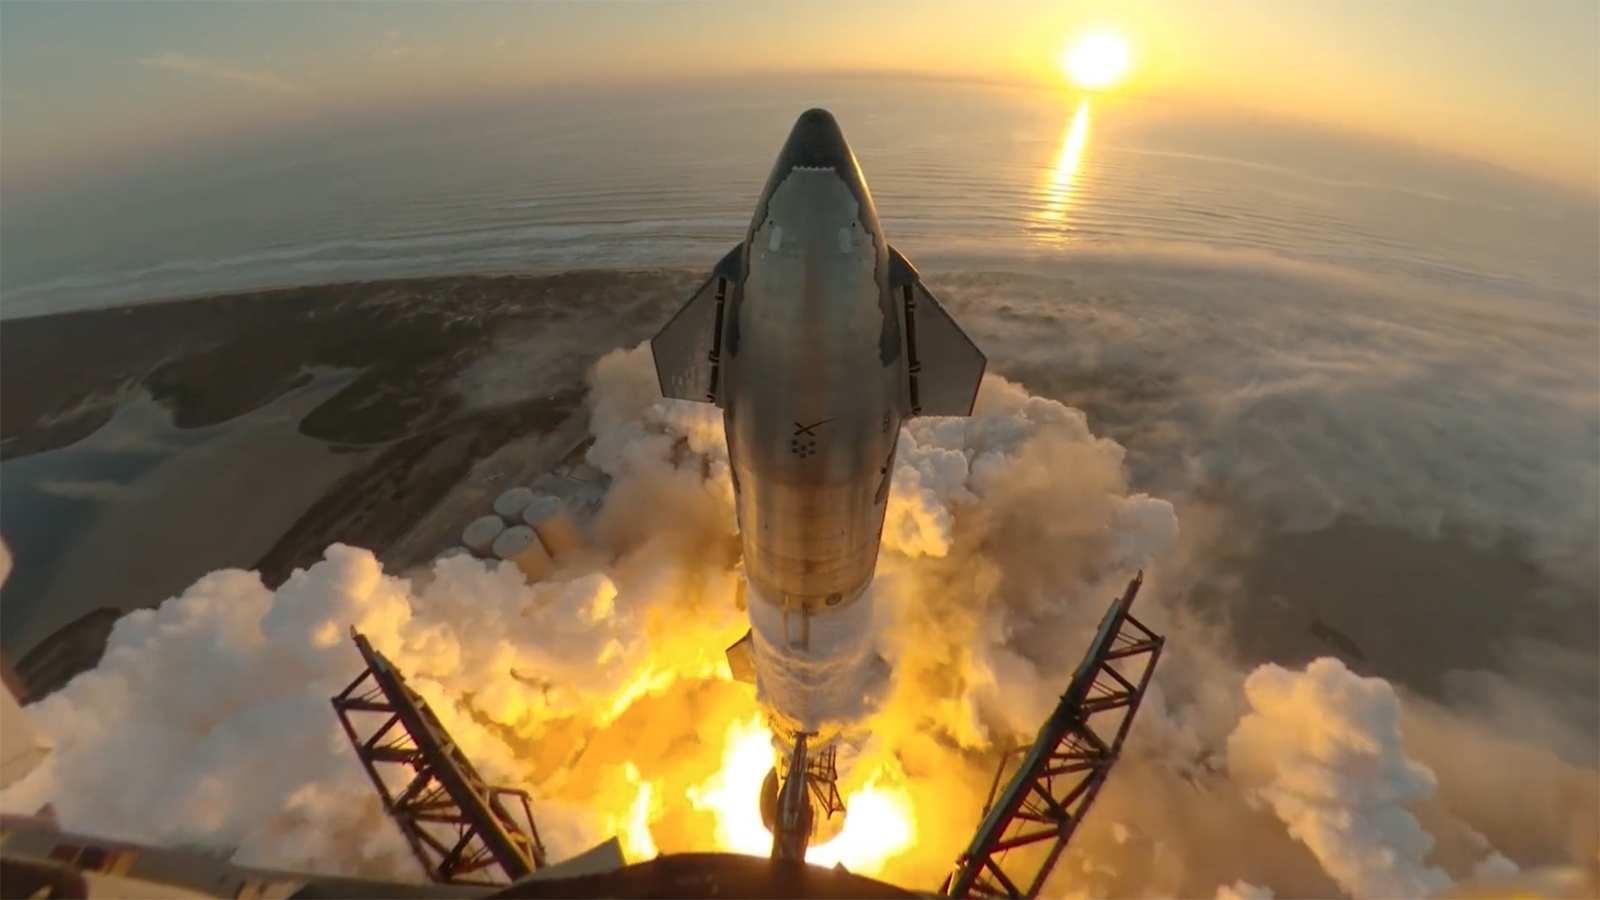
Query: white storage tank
512, 541
510, 505
549, 519
540, 508
479, 536
520, 546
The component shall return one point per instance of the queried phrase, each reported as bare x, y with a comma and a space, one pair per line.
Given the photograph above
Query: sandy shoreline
215, 357
443, 373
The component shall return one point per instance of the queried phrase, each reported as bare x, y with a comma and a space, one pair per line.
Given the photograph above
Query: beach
167, 440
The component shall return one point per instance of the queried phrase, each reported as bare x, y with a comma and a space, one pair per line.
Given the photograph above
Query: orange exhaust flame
879, 825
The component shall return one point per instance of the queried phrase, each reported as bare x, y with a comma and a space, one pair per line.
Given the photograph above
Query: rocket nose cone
816, 142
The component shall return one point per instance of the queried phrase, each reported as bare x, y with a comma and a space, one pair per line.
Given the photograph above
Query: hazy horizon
87, 86
963, 176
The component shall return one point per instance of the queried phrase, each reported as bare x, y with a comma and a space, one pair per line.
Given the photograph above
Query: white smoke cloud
1322, 748
208, 721
1007, 533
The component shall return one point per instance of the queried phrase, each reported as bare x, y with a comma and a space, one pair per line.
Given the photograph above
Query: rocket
817, 339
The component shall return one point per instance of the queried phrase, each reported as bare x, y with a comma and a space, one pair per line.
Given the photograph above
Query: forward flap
945, 366
686, 348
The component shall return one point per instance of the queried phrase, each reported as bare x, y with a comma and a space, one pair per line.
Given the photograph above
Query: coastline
441, 376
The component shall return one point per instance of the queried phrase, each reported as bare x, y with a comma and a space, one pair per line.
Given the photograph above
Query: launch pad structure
795, 806
1040, 794
444, 793
1028, 823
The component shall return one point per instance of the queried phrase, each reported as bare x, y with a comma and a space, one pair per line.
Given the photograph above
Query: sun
1096, 61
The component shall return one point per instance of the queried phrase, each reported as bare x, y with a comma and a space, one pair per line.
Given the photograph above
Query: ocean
963, 176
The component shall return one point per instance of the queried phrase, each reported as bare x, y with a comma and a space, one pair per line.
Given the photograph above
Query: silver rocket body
812, 407
817, 339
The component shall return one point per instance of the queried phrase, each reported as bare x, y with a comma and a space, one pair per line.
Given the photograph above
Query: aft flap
686, 348
740, 663
946, 366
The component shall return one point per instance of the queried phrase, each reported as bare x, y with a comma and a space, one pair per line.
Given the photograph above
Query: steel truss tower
458, 825
1027, 824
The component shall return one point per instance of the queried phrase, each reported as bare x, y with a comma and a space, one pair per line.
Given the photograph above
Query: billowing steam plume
604, 690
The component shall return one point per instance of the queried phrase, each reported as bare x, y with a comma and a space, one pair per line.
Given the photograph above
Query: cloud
219, 70
1309, 392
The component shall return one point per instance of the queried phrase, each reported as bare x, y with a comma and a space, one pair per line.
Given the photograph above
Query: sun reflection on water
1060, 190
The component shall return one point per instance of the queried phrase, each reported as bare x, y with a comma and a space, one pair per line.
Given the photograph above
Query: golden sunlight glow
1096, 61
1060, 189
879, 823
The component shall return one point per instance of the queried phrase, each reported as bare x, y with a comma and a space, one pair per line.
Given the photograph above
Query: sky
87, 85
